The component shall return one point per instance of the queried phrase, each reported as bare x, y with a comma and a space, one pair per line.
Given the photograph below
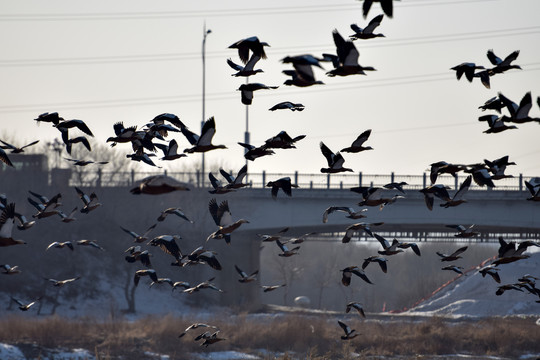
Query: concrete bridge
493, 213
501, 211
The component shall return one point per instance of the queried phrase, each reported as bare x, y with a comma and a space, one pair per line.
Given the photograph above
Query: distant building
23, 162
30, 170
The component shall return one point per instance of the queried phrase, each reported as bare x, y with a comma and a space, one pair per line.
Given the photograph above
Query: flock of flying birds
250, 51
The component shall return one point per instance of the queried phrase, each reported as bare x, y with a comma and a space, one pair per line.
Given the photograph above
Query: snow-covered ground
468, 296
474, 296
10, 352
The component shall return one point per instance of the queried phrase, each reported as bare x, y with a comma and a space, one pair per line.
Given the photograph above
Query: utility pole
246, 134
205, 33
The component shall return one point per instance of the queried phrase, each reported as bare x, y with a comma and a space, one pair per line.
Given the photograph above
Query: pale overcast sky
108, 61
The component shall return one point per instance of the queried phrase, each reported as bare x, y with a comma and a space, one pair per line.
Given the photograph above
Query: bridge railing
303, 180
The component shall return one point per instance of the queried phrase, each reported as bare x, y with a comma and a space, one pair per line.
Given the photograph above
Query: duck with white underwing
250, 45
222, 216
248, 69
248, 89
244, 277
14, 149
348, 58
60, 245
90, 243
168, 244
454, 268
466, 68
284, 184
282, 141
357, 306
464, 232
379, 260
7, 222
453, 256
335, 161
159, 184
287, 105
235, 182
139, 238
174, 211
273, 237
367, 32
357, 145
170, 151
61, 283
438, 190
361, 226
351, 213
285, 252
458, 199
252, 152
10, 270
46, 207
25, 306
5, 159
151, 273
203, 143
387, 7
349, 333
90, 202
388, 249
348, 272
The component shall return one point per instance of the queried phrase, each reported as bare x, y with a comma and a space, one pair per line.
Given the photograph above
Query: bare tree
115, 171
289, 272
129, 291
326, 275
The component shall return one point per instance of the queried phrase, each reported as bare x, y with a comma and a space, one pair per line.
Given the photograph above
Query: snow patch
156, 356
474, 295
225, 355
10, 352
75, 354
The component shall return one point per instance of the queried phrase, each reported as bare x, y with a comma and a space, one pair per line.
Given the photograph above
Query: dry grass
294, 336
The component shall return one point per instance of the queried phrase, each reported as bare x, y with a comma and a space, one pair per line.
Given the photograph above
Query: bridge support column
244, 251
98, 180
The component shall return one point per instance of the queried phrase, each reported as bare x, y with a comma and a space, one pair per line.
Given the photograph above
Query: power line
216, 13
367, 83
418, 128
284, 50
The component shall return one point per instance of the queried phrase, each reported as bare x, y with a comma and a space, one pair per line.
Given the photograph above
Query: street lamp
57, 147
205, 33
246, 134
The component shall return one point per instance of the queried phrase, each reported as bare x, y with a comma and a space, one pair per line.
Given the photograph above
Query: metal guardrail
304, 181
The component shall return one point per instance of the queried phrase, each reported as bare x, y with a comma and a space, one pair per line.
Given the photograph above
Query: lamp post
57, 147
246, 134
205, 33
